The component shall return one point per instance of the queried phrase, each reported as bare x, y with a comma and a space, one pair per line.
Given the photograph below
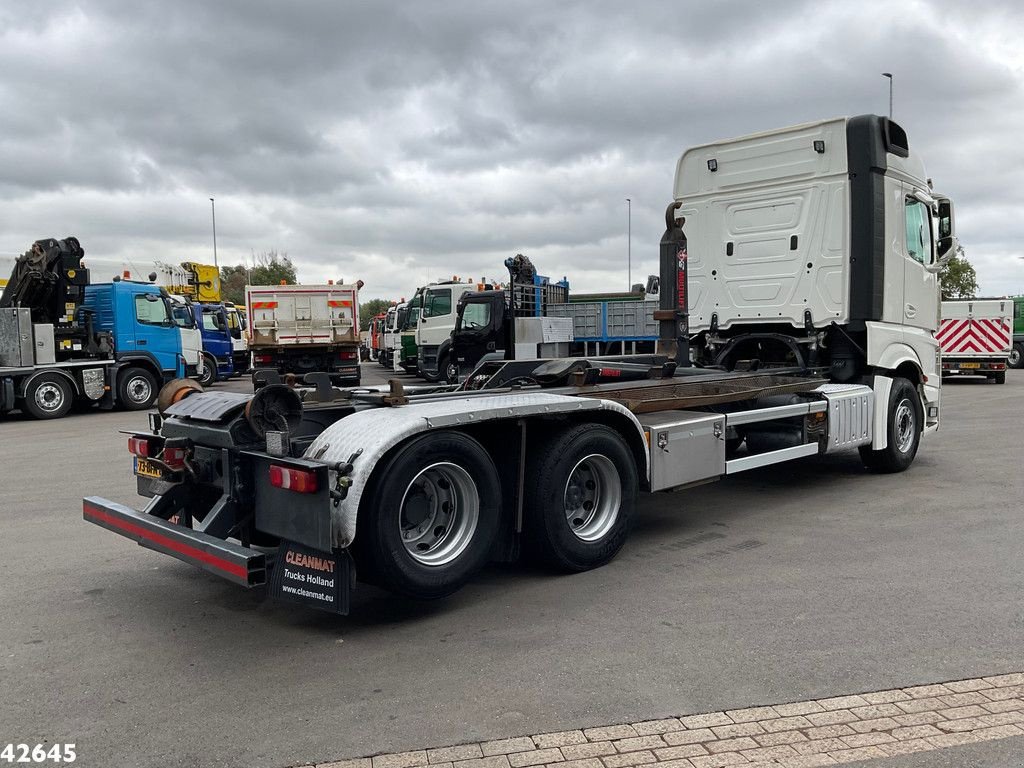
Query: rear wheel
49, 396
431, 516
136, 389
1016, 358
999, 377
581, 501
903, 426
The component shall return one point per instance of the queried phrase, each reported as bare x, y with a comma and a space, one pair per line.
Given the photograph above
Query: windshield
475, 315
183, 316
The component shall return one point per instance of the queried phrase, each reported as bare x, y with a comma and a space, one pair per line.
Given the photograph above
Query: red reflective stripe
338, 303
264, 305
196, 554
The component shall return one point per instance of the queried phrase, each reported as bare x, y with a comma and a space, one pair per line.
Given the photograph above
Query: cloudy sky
398, 142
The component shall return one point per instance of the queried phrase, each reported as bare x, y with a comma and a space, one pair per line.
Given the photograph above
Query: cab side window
919, 231
439, 303
150, 309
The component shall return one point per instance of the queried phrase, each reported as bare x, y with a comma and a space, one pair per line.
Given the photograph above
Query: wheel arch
141, 361
25, 383
378, 432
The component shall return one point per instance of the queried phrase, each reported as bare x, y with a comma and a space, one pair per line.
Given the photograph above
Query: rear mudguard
374, 432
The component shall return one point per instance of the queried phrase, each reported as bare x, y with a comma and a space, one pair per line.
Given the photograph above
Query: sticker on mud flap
313, 578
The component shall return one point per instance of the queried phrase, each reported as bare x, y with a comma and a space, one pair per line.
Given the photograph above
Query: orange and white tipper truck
300, 329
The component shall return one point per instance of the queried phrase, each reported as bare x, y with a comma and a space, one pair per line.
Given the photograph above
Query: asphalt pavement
781, 584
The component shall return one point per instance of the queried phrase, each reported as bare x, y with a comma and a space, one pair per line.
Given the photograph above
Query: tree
958, 280
232, 283
269, 268
369, 309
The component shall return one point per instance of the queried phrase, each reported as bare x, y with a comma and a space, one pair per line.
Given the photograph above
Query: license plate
970, 365
145, 468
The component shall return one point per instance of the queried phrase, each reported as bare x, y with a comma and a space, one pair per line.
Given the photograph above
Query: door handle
910, 311
141, 342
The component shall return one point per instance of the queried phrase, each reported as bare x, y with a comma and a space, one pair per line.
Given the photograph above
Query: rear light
347, 354
173, 457
998, 366
298, 480
262, 359
138, 446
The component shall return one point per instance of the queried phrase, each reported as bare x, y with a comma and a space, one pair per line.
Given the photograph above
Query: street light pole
629, 243
213, 213
889, 75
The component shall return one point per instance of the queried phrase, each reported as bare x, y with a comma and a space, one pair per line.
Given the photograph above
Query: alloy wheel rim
592, 497
439, 514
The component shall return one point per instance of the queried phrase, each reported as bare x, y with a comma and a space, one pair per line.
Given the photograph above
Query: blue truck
64, 340
218, 344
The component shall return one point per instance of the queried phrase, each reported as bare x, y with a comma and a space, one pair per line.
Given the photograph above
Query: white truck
976, 337
238, 327
433, 332
826, 234
303, 329
191, 336
394, 319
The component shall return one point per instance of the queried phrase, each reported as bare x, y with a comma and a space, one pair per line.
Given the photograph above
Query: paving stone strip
832, 731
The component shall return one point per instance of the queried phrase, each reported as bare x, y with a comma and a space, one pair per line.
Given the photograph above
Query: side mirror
947, 244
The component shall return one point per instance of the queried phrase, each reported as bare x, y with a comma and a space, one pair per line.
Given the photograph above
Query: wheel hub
49, 397
592, 497
439, 514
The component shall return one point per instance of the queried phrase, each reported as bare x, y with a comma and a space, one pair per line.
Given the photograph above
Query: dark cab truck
309, 489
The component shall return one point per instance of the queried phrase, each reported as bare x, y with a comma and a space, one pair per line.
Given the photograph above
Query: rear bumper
973, 365
240, 565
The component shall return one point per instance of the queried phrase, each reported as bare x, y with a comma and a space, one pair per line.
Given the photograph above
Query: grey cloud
393, 141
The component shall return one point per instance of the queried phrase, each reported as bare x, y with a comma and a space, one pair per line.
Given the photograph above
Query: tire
904, 425
1016, 359
136, 389
209, 375
999, 377
580, 500
412, 545
448, 370
49, 396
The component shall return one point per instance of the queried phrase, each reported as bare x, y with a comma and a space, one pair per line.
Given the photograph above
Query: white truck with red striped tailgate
975, 336
300, 329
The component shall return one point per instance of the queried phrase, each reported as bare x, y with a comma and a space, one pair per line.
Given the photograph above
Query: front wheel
209, 374
136, 389
581, 499
449, 369
429, 520
903, 426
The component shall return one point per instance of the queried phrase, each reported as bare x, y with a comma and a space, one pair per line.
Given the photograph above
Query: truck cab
147, 340
483, 328
1016, 359
434, 331
238, 327
218, 343
815, 245
191, 336
408, 352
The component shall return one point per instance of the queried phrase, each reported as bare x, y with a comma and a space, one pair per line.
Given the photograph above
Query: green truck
407, 349
1016, 359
